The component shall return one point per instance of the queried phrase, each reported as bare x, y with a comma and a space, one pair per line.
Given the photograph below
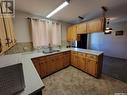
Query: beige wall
21, 27
22, 30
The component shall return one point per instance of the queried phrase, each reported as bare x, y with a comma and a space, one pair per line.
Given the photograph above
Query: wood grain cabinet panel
3, 41
72, 33
44, 68
74, 59
81, 28
66, 58
92, 64
81, 61
51, 63
7, 35
36, 63
96, 25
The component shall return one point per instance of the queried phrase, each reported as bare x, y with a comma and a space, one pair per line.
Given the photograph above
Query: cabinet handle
0, 46
14, 40
7, 41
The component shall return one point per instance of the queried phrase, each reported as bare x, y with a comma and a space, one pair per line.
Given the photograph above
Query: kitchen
66, 51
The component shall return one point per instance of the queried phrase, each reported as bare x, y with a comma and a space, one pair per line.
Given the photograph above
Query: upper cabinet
96, 25
7, 36
3, 43
10, 32
81, 28
71, 33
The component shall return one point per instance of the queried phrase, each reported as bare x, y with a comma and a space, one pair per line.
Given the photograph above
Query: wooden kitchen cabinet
10, 31
91, 64
72, 33
59, 61
3, 46
36, 63
44, 70
74, 59
81, 28
82, 61
7, 36
49, 64
66, 58
96, 25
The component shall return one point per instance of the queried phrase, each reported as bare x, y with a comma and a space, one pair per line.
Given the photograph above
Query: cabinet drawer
42, 59
51, 58
81, 54
92, 57
73, 52
35, 60
67, 52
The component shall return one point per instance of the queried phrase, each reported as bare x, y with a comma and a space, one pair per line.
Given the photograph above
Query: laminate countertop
32, 79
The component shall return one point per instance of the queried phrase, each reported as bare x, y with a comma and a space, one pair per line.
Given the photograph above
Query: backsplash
26, 47
20, 48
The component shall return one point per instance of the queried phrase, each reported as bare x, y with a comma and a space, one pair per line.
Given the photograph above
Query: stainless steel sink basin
50, 51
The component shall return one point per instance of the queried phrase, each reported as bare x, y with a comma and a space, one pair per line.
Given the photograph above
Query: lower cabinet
43, 68
89, 63
74, 59
91, 67
81, 61
92, 64
37, 65
49, 64
66, 58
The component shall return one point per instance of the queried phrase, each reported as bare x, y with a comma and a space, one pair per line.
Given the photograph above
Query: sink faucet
50, 48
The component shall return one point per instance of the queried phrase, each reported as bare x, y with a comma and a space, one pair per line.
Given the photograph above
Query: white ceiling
86, 8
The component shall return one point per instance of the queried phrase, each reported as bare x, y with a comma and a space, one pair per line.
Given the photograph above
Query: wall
115, 46
23, 35
22, 30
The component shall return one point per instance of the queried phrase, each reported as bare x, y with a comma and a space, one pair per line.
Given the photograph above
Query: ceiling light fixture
108, 30
58, 8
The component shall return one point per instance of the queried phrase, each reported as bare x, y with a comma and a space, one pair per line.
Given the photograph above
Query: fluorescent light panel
58, 9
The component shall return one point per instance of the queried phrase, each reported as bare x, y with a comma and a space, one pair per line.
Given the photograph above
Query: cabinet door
10, 31
81, 61
51, 64
60, 62
71, 33
74, 59
74, 33
36, 63
66, 59
96, 25
91, 67
81, 28
43, 67
82, 64
49, 68
13, 37
3, 42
